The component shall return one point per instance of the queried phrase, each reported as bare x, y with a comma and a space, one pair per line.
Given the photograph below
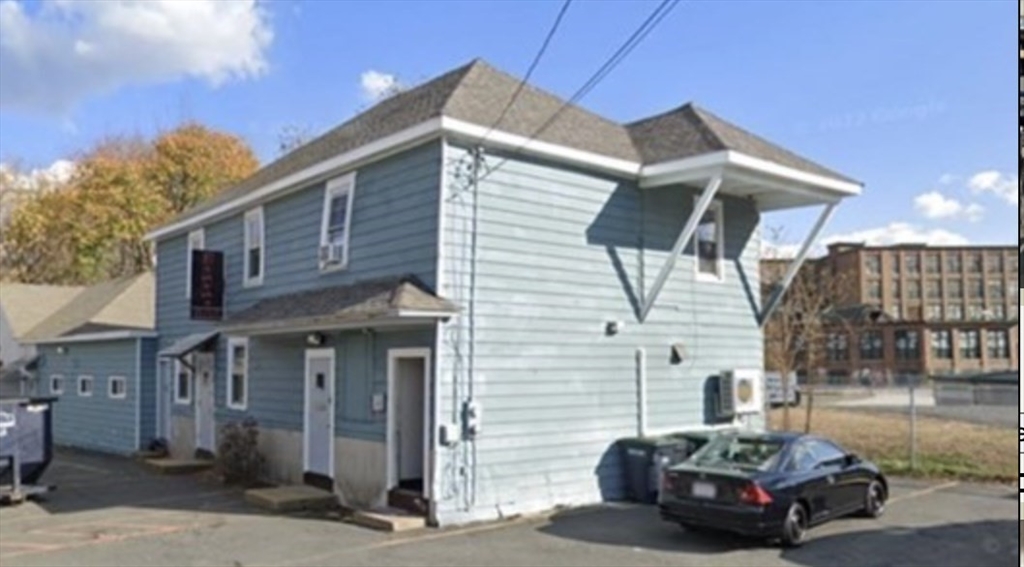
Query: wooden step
178, 466
388, 520
291, 498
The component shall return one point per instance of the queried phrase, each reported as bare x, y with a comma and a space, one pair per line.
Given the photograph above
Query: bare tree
798, 332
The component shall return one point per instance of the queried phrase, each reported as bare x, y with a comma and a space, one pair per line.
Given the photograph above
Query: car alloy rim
875, 498
796, 524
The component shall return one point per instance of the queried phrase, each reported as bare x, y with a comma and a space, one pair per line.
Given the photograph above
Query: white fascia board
388, 144
847, 188
546, 149
91, 337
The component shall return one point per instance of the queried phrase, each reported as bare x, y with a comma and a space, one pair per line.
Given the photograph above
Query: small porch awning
372, 303
188, 344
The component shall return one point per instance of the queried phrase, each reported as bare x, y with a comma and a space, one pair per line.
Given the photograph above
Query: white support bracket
684, 238
796, 264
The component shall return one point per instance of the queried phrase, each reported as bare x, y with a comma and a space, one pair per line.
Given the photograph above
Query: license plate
703, 490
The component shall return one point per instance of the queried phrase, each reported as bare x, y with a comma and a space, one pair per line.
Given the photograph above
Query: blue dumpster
26, 445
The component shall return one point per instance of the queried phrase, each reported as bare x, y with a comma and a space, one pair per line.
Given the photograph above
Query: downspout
641, 392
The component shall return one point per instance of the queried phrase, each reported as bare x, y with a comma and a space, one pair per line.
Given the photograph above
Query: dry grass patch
945, 448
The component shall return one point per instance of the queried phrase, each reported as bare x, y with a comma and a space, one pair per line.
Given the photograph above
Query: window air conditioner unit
740, 392
331, 253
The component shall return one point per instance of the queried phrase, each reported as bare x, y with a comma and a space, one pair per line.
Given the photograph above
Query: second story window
955, 289
337, 220
871, 345
932, 262
254, 248
942, 344
953, 264
873, 264
934, 289
196, 241
709, 243
955, 311
913, 261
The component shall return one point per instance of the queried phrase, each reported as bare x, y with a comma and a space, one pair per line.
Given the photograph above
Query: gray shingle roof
477, 93
360, 301
690, 131
121, 304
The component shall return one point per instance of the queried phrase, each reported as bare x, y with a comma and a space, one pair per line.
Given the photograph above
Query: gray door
319, 434
205, 424
409, 424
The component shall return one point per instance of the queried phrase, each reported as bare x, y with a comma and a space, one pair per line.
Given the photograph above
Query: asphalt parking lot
112, 512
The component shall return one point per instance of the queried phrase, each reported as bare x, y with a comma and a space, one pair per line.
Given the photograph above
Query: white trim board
310, 354
648, 175
391, 471
90, 337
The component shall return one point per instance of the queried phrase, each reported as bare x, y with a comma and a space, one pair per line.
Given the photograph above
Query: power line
529, 72
624, 50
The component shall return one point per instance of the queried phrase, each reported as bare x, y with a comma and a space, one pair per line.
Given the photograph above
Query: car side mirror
851, 459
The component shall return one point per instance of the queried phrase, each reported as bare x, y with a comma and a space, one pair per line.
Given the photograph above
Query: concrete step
291, 498
388, 520
178, 466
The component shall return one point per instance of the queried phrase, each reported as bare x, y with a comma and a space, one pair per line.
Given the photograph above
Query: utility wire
529, 72
624, 50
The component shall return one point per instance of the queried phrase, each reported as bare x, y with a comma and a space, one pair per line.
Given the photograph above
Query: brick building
934, 310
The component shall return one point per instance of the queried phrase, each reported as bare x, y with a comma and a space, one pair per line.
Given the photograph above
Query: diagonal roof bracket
684, 238
794, 266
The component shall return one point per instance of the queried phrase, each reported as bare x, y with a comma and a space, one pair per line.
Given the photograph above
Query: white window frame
60, 380
178, 369
82, 378
346, 184
199, 237
247, 280
718, 209
111, 380
232, 343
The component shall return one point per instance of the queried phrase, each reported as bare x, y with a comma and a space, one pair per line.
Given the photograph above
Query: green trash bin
644, 458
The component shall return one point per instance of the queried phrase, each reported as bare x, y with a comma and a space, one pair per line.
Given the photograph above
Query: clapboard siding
393, 232
558, 254
97, 422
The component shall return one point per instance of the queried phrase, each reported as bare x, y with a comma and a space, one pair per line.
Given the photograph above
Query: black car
770, 485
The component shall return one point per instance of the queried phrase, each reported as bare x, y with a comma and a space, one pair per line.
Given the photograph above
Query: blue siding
95, 422
276, 386
394, 231
147, 390
558, 254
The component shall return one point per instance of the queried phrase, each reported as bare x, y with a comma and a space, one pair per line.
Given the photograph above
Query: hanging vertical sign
207, 285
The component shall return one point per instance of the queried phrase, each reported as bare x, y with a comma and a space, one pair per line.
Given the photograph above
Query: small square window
85, 385
183, 382
117, 387
56, 384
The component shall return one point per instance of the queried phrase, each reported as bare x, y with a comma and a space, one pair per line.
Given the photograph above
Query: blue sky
912, 98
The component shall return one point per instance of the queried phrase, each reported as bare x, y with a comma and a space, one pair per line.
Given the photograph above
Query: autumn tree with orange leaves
90, 228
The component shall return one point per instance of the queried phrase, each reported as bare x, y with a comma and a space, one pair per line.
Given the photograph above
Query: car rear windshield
738, 452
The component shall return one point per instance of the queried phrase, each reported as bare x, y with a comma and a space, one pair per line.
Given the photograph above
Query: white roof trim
670, 172
517, 142
90, 337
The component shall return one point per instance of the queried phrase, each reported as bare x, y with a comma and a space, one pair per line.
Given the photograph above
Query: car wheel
874, 500
794, 529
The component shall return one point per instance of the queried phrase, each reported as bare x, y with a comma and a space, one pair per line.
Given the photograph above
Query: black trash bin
30, 437
644, 458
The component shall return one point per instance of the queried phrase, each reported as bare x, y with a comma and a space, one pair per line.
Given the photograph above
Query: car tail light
668, 482
754, 494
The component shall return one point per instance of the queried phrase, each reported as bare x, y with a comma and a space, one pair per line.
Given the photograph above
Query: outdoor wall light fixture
315, 339
613, 327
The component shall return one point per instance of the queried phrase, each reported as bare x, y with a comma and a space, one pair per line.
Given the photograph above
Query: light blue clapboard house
97, 356
419, 314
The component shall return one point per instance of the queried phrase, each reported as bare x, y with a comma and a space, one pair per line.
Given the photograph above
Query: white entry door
205, 422
164, 391
409, 419
318, 438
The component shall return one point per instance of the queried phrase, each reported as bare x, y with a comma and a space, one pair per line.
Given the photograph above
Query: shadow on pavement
637, 526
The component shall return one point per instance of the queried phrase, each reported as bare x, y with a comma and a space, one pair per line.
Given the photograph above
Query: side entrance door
206, 432
318, 437
164, 391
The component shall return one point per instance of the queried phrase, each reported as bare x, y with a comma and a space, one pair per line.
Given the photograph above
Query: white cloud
900, 233
947, 178
935, 205
377, 85
65, 51
994, 182
57, 172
